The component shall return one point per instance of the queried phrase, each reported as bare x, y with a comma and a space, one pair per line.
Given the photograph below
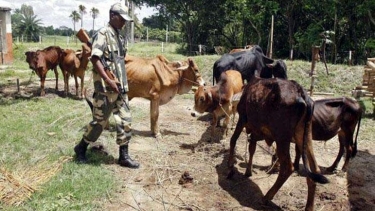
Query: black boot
124, 158
80, 150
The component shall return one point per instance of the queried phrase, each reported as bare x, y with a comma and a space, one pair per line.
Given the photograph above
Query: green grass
38, 129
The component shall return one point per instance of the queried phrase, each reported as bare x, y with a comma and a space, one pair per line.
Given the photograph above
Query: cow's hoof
330, 169
248, 173
158, 137
230, 174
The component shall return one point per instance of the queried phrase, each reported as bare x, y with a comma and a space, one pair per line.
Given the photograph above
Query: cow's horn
273, 64
209, 95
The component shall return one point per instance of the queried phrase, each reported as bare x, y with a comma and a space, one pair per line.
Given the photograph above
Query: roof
4, 8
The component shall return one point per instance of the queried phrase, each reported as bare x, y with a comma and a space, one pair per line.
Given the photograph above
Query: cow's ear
267, 60
185, 67
178, 64
194, 89
191, 62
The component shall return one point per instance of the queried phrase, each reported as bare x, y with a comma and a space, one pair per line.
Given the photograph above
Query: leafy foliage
26, 23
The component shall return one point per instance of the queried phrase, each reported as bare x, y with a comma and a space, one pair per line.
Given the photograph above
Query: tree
94, 14
26, 23
82, 11
75, 18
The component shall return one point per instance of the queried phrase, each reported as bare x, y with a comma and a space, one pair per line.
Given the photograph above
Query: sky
57, 12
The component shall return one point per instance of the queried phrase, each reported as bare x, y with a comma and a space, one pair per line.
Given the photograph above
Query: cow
30, 58
250, 63
246, 48
336, 116
218, 99
159, 80
43, 60
279, 111
75, 64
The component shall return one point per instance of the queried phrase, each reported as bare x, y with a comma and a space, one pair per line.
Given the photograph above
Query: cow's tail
88, 101
354, 150
307, 122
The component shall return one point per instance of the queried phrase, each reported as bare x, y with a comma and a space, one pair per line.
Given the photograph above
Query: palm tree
82, 10
29, 24
75, 18
94, 14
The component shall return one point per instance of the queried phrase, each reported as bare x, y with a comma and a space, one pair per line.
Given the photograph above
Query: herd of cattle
270, 107
70, 62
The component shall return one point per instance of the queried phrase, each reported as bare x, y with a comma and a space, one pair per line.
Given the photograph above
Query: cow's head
279, 69
202, 99
190, 76
30, 59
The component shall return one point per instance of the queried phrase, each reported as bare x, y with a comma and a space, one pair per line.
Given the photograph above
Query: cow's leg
215, 117
82, 84
66, 83
347, 138
296, 159
154, 115
76, 83
299, 140
227, 113
342, 144
252, 148
42, 80
286, 168
237, 132
57, 79
311, 187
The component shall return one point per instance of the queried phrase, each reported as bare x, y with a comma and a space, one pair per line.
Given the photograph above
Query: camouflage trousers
103, 105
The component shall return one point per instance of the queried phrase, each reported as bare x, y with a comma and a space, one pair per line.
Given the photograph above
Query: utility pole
130, 32
132, 23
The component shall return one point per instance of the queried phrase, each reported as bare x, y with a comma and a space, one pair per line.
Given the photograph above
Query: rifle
84, 37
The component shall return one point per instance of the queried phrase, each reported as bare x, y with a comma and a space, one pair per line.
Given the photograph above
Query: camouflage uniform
106, 101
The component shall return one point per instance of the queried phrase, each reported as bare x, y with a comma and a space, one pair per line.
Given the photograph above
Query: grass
42, 130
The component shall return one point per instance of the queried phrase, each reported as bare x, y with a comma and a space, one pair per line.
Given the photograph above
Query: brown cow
218, 99
43, 60
279, 111
75, 63
336, 116
159, 80
30, 59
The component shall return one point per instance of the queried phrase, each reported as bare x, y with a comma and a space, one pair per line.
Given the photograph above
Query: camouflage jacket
108, 45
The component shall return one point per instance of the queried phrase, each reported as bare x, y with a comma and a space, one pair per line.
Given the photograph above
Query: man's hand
113, 85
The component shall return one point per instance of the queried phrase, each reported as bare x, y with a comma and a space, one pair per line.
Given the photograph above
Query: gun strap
112, 57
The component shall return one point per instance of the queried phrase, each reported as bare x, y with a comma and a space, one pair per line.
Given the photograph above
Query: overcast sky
57, 12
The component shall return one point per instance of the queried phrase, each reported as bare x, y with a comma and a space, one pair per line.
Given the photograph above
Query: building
6, 41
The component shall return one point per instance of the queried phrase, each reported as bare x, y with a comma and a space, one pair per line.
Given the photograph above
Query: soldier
110, 87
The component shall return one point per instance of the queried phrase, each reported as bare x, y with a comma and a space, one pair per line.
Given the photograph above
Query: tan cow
75, 64
159, 80
43, 60
246, 48
218, 99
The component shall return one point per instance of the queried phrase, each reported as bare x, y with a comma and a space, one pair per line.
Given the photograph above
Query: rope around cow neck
193, 82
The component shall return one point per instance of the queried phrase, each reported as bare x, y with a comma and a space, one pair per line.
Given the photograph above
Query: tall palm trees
75, 18
94, 14
82, 11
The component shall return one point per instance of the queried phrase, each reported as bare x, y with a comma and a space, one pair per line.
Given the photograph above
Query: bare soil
186, 170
